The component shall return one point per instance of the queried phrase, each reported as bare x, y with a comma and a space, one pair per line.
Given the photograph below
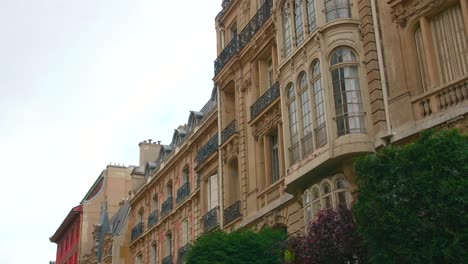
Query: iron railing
228, 131
183, 192
232, 212
167, 260
209, 148
210, 220
248, 32
137, 230
265, 100
182, 252
166, 207
152, 218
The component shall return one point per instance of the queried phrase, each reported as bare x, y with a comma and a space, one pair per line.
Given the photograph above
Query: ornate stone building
178, 197
302, 88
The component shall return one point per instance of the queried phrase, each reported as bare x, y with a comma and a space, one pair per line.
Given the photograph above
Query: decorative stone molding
269, 121
231, 149
403, 10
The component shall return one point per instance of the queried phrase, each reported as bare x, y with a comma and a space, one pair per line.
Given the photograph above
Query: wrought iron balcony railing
265, 100
247, 33
228, 131
137, 230
182, 252
232, 212
210, 220
152, 218
167, 260
183, 192
166, 207
209, 148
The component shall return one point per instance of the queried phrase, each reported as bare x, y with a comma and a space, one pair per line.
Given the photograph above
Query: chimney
148, 151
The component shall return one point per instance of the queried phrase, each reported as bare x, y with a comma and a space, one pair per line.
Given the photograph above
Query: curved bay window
320, 127
346, 92
294, 135
298, 21
330, 193
286, 29
304, 96
336, 9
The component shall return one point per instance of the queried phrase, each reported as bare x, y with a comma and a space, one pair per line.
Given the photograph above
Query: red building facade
67, 237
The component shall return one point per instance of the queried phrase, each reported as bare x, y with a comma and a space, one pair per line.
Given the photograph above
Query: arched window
307, 138
286, 29
346, 92
311, 18
294, 136
335, 9
298, 22
307, 206
320, 128
326, 196
341, 192
331, 192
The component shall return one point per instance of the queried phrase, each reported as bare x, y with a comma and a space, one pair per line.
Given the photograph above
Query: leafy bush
237, 247
413, 201
331, 238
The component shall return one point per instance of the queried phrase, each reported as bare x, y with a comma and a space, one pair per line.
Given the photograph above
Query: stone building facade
177, 199
302, 88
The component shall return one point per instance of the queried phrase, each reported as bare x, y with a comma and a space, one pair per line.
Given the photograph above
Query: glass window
298, 22
154, 254
294, 136
307, 206
307, 138
320, 130
335, 9
311, 18
274, 156
168, 244
185, 233
213, 192
286, 29
450, 44
139, 259
346, 92
270, 73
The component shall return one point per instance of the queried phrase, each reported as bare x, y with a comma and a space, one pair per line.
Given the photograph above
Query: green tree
413, 201
238, 247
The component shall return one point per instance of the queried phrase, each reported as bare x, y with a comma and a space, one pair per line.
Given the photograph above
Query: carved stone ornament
403, 10
245, 84
269, 121
231, 149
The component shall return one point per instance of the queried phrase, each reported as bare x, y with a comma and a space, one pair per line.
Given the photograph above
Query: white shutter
213, 191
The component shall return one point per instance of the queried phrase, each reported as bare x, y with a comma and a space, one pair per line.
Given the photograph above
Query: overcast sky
82, 82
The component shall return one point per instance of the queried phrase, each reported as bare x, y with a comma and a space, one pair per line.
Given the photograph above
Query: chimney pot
149, 140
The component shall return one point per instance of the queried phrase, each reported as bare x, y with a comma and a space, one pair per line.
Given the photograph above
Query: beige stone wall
115, 187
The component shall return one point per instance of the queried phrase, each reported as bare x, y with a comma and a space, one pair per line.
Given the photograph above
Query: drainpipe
220, 160
383, 78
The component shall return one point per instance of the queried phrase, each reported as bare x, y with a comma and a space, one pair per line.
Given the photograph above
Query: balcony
228, 131
137, 231
265, 100
441, 99
183, 192
210, 220
209, 148
152, 218
167, 260
247, 33
271, 193
232, 212
182, 252
166, 207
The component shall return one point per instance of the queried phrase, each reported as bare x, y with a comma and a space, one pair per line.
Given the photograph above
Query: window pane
286, 29
311, 15
298, 21
422, 59
274, 158
336, 9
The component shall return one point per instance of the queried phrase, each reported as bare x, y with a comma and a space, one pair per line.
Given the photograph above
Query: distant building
67, 237
75, 242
